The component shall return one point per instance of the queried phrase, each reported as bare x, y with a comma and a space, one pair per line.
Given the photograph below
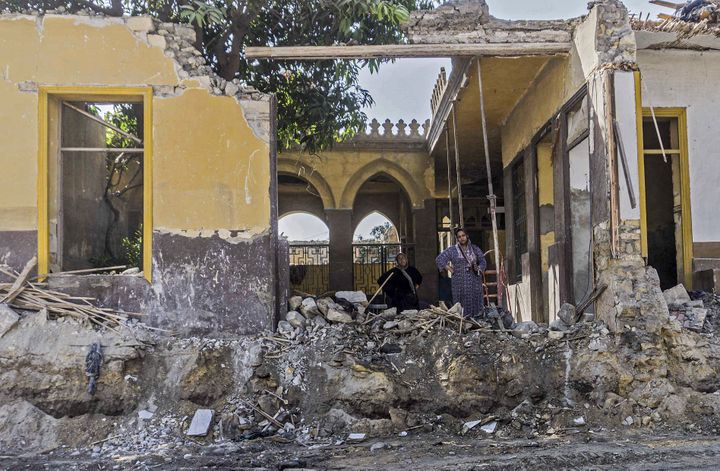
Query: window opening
99, 186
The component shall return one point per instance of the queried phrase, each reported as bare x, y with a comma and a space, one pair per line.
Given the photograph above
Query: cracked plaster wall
212, 197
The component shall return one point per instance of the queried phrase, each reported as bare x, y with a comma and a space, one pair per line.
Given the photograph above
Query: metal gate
310, 268
370, 261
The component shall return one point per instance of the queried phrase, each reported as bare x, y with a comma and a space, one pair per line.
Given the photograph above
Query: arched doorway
376, 243
309, 251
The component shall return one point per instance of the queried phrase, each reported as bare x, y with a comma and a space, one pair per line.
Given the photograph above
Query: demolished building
601, 157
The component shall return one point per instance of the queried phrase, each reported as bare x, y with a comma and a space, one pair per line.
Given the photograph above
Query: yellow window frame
133, 94
681, 115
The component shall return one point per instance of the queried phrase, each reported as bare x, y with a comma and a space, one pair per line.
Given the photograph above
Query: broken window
96, 193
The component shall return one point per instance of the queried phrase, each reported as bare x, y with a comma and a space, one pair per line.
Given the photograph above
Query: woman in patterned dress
465, 262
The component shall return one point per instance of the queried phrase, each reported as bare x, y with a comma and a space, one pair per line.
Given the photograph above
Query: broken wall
213, 243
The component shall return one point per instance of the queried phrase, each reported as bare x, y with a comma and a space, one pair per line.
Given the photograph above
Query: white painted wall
689, 79
626, 116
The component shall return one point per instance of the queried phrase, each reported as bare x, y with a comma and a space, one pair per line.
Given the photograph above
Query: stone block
352, 296
567, 314
334, 315
676, 295
309, 308
295, 302
155, 40
201, 422
142, 24
8, 319
295, 319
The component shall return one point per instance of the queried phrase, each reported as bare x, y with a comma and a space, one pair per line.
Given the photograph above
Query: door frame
686, 214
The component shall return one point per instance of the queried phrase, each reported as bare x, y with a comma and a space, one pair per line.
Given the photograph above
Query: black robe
401, 294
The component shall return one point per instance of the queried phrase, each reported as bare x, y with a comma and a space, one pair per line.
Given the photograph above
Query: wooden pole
461, 216
449, 174
491, 192
406, 50
380, 289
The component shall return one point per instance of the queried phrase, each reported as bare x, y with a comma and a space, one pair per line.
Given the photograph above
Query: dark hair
460, 229
398, 256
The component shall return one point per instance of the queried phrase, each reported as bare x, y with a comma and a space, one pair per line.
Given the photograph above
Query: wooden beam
406, 50
663, 3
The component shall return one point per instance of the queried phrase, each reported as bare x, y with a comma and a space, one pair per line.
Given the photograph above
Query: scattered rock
567, 314
8, 319
284, 327
295, 319
377, 446
555, 334
467, 426
145, 414
309, 308
676, 295
356, 437
489, 428
558, 326
579, 421
342, 317
201, 422
527, 327
295, 302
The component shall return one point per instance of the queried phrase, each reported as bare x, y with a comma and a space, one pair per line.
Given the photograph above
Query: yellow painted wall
545, 195
343, 171
210, 170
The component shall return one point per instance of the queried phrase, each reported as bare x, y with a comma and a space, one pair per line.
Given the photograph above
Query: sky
305, 227
402, 89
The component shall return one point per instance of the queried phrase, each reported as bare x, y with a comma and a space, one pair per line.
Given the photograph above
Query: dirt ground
595, 450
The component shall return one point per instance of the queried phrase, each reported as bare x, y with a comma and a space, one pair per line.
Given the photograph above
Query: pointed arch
302, 171
386, 167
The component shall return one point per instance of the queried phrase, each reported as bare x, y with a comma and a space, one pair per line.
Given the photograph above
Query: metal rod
103, 122
129, 150
449, 172
491, 191
461, 217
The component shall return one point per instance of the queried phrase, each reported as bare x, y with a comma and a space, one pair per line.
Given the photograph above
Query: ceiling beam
406, 51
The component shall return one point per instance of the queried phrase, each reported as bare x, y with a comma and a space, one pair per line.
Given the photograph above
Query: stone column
341, 258
426, 244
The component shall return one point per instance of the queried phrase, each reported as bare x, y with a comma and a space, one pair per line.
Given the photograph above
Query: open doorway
666, 195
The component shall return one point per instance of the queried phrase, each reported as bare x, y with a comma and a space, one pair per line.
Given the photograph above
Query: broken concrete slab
8, 319
352, 296
676, 295
489, 428
201, 422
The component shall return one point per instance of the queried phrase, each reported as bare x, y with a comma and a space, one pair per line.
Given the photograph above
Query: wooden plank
17, 286
664, 3
664, 16
396, 51
123, 150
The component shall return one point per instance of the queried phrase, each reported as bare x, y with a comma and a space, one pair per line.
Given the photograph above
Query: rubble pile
693, 18
689, 313
338, 371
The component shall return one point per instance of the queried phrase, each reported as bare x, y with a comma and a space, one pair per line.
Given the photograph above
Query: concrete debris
8, 318
295, 319
676, 295
467, 426
145, 414
579, 421
691, 314
357, 437
352, 296
201, 422
378, 446
567, 314
309, 308
342, 317
295, 302
489, 428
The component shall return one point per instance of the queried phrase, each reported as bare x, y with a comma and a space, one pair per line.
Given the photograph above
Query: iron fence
310, 268
370, 261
